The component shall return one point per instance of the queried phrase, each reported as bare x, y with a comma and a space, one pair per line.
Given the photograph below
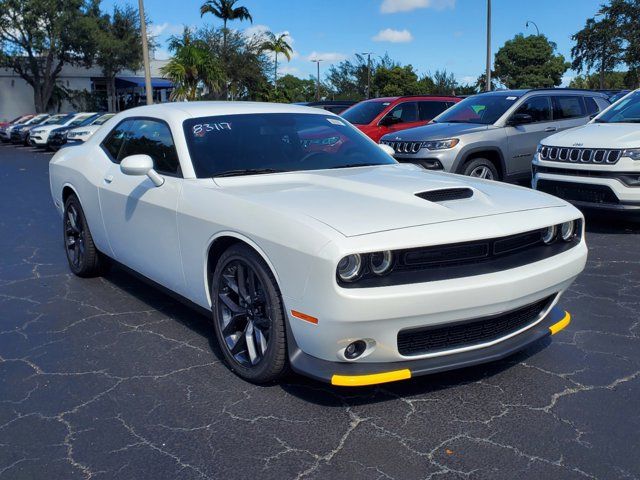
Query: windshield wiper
247, 171
597, 120
353, 165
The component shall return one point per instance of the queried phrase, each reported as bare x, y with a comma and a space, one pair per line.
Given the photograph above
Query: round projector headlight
381, 262
568, 230
350, 267
549, 234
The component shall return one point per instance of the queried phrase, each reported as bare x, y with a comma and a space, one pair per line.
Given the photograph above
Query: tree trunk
275, 73
37, 99
114, 95
225, 58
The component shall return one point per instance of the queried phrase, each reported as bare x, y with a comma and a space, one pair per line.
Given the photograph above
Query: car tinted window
591, 105
364, 112
153, 138
115, 139
405, 111
539, 107
568, 106
483, 109
430, 110
232, 144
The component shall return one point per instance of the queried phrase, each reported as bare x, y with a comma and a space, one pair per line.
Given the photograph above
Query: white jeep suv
596, 166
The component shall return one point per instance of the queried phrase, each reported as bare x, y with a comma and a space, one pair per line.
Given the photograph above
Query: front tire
248, 316
481, 168
84, 258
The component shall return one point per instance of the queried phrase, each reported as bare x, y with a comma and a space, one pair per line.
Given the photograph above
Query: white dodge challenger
312, 248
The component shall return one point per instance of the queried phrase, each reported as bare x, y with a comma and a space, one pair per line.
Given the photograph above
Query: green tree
293, 89
444, 83
119, 46
38, 37
481, 82
598, 45
395, 81
191, 66
625, 14
277, 44
613, 80
529, 62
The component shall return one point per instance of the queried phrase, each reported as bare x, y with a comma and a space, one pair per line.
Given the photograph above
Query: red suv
380, 116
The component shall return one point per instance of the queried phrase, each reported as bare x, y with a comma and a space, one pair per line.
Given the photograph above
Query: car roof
395, 99
524, 91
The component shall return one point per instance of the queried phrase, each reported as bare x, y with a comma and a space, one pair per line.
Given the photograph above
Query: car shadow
302, 387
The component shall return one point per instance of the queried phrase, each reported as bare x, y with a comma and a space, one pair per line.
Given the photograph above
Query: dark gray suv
494, 135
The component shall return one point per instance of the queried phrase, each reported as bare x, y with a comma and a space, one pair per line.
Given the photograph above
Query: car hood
435, 131
363, 200
598, 135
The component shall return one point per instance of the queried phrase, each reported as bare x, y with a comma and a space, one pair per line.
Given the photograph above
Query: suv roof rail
566, 89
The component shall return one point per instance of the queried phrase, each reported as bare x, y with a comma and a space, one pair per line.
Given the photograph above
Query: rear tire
481, 168
84, 258
248, 316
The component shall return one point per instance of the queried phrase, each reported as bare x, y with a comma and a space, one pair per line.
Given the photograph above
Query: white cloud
161, 54
165, 28
256, 30
468, 79
286, 69
327, 57
393, 36
394, 6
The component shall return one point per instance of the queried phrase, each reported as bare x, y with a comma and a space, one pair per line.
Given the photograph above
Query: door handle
108, 179
551, 129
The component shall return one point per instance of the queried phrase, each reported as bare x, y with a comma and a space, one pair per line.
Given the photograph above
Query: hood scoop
446, 194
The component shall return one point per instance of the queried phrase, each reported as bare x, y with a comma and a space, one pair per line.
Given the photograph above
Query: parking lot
109, 378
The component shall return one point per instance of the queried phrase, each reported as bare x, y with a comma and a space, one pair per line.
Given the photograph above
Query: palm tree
191, 65
227, 11
277, 44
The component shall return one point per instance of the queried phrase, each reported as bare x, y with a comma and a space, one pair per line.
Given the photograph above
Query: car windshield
276, 142
483, 109
55, 119
364, 112
82, 121
626, 110
102, 119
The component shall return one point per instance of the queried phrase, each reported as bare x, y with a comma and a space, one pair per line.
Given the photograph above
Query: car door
569, 111
405, 115
140, 218
524, 139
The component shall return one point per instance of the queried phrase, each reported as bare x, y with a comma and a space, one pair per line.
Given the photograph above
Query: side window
568, 106
430, 110
602, 103
538, 107
406, 112
153, 138
113, 142
592, 106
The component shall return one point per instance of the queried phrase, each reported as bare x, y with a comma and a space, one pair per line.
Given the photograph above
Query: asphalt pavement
110, 378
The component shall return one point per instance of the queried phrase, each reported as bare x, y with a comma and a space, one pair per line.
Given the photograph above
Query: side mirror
387, 149
520, 119
390, 120
137, 165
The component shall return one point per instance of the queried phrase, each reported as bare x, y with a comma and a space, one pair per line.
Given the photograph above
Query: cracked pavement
110, 378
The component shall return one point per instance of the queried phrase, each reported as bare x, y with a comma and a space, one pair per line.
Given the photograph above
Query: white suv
597, 165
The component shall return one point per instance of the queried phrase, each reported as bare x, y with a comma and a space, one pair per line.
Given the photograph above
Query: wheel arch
67, 191
493, 154
221, 242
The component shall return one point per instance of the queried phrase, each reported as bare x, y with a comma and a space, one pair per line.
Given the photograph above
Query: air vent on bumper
446, 194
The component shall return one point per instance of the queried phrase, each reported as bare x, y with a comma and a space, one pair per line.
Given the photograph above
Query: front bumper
443, 160
38, 140
362, 374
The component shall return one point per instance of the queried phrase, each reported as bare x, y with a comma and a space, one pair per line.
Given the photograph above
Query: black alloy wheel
84, 258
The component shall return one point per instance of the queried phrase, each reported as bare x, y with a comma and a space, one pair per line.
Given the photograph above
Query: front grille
404, 147
446, 194
579, 192
580, 155
420, 341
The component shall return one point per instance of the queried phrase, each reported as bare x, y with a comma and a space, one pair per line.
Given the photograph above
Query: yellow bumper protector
556, 327
372, 379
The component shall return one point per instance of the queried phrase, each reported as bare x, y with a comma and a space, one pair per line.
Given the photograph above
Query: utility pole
368, 54
317, 62
488, 74
534, 24
145, 53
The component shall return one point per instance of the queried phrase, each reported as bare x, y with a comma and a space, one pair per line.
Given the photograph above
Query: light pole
317, 62
368, 54
145, 54
488, 74
534, 24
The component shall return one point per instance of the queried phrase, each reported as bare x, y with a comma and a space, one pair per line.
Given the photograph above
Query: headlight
441, 144
24, 129
81, 134
350, 267
633, 154
549, 234
568, 230
381, 262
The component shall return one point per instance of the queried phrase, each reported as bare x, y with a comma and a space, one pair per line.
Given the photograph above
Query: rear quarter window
568, 106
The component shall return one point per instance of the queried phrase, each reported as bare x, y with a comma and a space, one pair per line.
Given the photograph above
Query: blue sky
429, 34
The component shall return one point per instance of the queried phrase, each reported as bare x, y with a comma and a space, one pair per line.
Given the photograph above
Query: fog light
549, 234
568, 230
355, 349
349, 267
381, 262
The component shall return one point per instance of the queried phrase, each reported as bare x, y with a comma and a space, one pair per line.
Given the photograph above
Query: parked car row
52, 131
